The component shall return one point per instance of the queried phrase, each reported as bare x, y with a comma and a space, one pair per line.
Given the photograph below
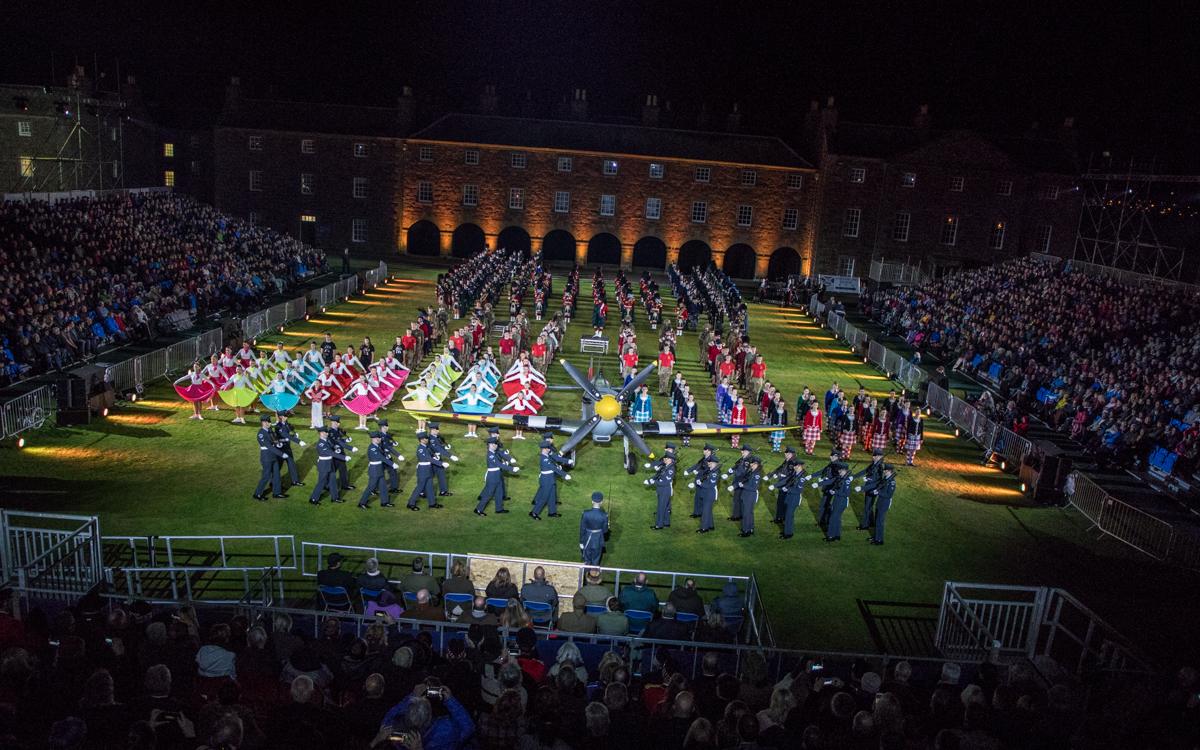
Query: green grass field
147, 469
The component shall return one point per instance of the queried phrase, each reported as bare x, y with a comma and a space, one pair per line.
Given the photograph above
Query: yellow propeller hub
608, 407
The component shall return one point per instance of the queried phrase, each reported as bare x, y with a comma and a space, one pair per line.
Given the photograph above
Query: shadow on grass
901, 627
110, 427
44, 493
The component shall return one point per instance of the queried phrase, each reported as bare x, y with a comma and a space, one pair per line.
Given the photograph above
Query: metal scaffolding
78, 157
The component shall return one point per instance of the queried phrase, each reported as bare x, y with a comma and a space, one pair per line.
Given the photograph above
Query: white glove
454, 458
303, 444
646, 482
512, 460
445, 464
516, 469
581, 546
646, 465
395, 465
858, 488
349, 439
354, 449
399, 457
347, 459
815, 485
694, 484
567, 477
730, 488
770, 486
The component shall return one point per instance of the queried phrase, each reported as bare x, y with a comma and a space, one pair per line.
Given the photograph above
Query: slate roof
308, 117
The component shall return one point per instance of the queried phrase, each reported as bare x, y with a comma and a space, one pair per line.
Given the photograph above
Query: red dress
812, 427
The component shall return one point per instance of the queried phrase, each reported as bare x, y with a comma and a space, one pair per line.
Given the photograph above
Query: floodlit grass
148, 469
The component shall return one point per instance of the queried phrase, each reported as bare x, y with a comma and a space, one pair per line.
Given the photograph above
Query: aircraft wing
669, 429
539, 423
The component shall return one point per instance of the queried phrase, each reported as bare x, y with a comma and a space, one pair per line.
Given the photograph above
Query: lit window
254, 143
471, 157
610, 167
997, 239
256, 180
306, 183
657, 171
360, 187
470, 195
908, 180
25, 128
308, 218
360, 150
565, 164
654, 208
1043, 237
26, 165
699, 212
562, 202
358, 230
745, 216
703, 174
307, 146
900, 226
851, 222
1050, 193
169, 178
858, 175
425, 153
1004, 188
518, 160
516, 198
749, 178
425, 192
845, 266
608, 205
791, 218
950, 230
169, 150
795, 180
956, 184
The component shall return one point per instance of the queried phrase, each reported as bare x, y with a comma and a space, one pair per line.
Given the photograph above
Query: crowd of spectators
1115, 365
96, 676
80, 275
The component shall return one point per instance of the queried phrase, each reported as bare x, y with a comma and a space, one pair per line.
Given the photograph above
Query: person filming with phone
430, 713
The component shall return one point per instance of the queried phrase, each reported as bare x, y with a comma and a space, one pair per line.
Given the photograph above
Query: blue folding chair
496, 602
638, 620
369, 595
334, 598
734, 624
689, 618
410, 597
595, 609
449, 600
540, 613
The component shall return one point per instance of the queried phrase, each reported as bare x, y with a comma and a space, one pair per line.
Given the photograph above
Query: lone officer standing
376, 478
547, 491
341, 444
884, 489
593, 529
441, 452
327, 456
663, 483
493, 479
269, 456
388, 444
749, 494
424, 485
285, 435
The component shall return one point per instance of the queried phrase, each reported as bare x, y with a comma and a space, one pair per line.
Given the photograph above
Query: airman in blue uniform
696, 470
790, 486
593, 530
706, 483
424, 485
376, 477
548, 437
494, 432
441, 455
781, 471
547, 491
388, 444
269, 456
327, 456
341, 444
493, 479
872, 473
839, 483
827, 472
884, 489
737, 473
663, 483
749, 493
285, 435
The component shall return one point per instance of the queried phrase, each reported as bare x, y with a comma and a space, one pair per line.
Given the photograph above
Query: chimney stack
921, 121
579, 106
733, 121
650, 111
406, 108
702, 117
489, 103
829, 116
233, 94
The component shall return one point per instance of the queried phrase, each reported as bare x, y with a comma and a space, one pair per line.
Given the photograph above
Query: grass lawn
147, 469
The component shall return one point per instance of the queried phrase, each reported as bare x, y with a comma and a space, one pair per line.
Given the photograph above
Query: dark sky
1127, 75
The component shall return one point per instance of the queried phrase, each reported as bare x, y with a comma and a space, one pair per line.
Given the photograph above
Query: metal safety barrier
1128, 524
53, 563
29, 411
896, 273
996, 440
375, 276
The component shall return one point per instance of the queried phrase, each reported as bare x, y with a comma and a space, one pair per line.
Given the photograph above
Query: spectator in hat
577, 620
333, 575
685, 598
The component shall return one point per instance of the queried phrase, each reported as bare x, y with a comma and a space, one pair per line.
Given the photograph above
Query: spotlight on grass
20, 442
1022, 487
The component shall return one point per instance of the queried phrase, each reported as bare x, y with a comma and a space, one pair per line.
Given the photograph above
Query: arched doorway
558, 245
514, 239
424, 238
785, 261
467, 240
604, 248
739, 261
650, 252
693, 254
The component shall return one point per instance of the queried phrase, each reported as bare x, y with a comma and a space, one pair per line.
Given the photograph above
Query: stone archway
604, 248
514, 239
559, 245
785, 261
424, 238
739, 261
693, 254
650, 252
467, 240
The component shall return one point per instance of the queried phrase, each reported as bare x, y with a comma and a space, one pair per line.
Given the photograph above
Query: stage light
20, 442
322, 309
1022, 486
281, 329
307, 316
1003, 465
864, 360
104, 412
955, 432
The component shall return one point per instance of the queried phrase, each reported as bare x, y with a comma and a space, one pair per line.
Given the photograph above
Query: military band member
376, 477
441, 454
547, 491
663, 483
593, 529
327, 456
493, 479
269, 456
748, 486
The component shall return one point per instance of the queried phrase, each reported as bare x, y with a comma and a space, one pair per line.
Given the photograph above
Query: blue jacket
446, 733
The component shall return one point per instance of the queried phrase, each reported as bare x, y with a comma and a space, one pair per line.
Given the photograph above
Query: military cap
376, 435
877, 452
335, 418
889, 467
789, 449
382, 422
432, 426
709, 447
745, 448
422, 435
492, 441
264, 418
597, 497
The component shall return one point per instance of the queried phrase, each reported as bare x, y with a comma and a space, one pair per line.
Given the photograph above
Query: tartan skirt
812, 434
878, 440
846, 441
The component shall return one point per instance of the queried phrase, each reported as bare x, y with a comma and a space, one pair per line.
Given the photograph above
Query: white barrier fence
29, 411
996, 439
896, 273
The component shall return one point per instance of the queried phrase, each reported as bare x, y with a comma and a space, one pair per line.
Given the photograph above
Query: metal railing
27, 536
314, 554
1125, 523
960, 633
29, 411
996, 439
331, 294
896, 366
65, 570
896, 273
375, 276
845, 331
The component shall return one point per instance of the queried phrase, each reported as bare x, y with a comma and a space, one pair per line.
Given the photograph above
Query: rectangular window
795, 181
425, 192
308, 218
252, 217
851, 222
1045, 231
26, 166
25, 128
699, 212
516, 198
610, 167
845, 266
1050, 193
950, 230
256, 180
745, 216
195, 166
307, 146
360, 151
749, 178
654, 208
470, 195
791, 218
997, 239
1004, 187
254, 143
169, 178
900, 226
858, 175
360, 187
518, 159
358, 230
657, 171
425, 153
562, 202
956, 184
306, 183
908, 180
565, 164
471, 157
608, 205
703, 174
169, 150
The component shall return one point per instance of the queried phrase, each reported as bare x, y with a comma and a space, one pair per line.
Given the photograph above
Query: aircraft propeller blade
580, 434
634, 437
637, 381
588, 387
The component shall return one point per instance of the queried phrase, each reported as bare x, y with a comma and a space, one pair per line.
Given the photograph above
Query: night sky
1127, 76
